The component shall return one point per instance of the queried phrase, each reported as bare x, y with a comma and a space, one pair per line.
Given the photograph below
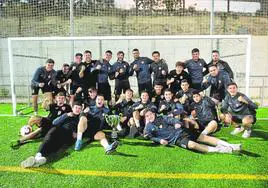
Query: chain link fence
22, 18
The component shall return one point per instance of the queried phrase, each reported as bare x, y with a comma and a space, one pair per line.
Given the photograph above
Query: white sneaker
39, 161
236, 147
237, 130
247, 133
224, 149
29, 162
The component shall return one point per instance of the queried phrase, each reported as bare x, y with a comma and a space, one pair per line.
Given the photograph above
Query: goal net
27, 54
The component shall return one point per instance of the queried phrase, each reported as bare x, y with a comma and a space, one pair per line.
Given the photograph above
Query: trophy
114, 122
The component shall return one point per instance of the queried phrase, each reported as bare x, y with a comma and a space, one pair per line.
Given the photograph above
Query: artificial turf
136, 156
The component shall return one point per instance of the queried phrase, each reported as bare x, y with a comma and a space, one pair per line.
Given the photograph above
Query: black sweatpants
55, 139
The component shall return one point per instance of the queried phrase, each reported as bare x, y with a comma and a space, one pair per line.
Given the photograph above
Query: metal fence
132, 17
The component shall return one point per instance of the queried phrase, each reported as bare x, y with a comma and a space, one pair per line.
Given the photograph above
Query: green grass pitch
133, 157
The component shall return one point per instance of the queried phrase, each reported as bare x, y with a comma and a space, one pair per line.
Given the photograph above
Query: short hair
180, 63
147, 110
60, 94
144, 91
77, 103
65, 65
215, 51
87, 52
50, 61
135, 50
109, 52
92, 89
212, 65
196, 92
232, 84
100, 95
130, 90
195, 50
78, 54
159, 83
184, 81
120, 52
168, 90
156, 52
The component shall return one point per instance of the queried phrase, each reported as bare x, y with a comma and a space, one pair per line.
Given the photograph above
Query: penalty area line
136, 174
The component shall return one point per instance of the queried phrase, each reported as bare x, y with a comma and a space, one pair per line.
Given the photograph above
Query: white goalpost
28, 53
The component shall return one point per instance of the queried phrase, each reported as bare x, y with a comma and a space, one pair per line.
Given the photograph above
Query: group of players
172, 109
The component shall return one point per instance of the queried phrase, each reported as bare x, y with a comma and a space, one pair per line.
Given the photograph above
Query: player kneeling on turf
238, 108
61, 134
169, 131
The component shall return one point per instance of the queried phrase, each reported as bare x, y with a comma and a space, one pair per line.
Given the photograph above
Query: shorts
46, 88
239, 118
121, 86
105, 89
187, 136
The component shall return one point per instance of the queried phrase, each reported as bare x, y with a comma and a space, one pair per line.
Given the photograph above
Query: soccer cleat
78, 145
237, 130
236, 147
247, 133
224, 149
111, 148
39, 161
29, 162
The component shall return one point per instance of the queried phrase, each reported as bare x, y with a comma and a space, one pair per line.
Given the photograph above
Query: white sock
38, 155
104, 143
212, 149
79, 136
137, 122
119, 128
223, 143
204, 132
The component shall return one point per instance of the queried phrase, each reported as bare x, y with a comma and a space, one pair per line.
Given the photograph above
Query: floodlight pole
11, 71
248, 60
212, 23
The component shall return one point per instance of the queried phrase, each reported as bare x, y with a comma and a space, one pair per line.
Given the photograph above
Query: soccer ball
26, 129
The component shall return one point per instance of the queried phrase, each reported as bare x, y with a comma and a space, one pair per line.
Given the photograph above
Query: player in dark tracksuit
218, 80
123, 109
63, 78
121, 74
206, 114
238, 108
91, 123
104, 72
222, 65
62, 133
142, 67
44, 78
136, 122
159, 69
44, 124
176, 76
195, 68
88, 75
170, 131
157, 94
77, 81
185, 96
168, 106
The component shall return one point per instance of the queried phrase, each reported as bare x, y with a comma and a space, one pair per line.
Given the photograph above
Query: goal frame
101, 38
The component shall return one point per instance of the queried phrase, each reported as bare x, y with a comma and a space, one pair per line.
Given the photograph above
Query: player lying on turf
170, 131
62, 133
44, 124
91, 124
238, 109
